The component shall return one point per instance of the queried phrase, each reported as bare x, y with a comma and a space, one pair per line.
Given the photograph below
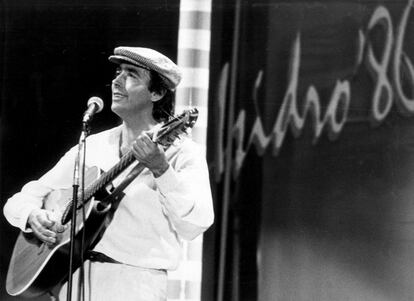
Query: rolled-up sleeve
186, 194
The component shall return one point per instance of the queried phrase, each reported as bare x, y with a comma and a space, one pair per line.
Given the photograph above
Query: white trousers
112, 282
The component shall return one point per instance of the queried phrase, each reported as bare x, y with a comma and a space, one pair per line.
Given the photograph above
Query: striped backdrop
193, 60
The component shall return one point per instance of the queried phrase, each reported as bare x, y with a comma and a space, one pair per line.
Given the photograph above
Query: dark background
53, 58
325, 220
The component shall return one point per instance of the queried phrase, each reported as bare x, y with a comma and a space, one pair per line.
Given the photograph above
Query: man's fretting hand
150, 154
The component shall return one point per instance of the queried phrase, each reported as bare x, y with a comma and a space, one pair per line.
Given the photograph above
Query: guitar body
35, 268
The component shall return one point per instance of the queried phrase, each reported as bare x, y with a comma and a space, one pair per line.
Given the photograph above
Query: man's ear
155, 96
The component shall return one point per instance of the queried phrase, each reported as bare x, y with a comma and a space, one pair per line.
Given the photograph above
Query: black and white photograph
207, 150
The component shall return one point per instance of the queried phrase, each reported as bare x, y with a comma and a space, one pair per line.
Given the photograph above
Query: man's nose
119, 78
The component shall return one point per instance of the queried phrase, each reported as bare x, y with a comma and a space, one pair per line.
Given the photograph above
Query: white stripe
194, 78
184, 299
194, 39
192, 96
193, 58
197, 39
195, 5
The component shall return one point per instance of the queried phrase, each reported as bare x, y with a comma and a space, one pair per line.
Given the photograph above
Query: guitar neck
99, 184
108, 176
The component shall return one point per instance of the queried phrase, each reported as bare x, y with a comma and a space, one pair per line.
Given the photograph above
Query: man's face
130, 92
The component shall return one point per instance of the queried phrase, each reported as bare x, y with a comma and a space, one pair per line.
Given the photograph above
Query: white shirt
155, 213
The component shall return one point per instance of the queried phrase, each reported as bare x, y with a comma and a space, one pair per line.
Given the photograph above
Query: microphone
95, 105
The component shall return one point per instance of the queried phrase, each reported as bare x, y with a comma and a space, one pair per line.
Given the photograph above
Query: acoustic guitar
36, 267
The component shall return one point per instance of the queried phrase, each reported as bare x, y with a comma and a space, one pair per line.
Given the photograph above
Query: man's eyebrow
132, 70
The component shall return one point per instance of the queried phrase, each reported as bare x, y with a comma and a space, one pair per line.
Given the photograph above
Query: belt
99, 257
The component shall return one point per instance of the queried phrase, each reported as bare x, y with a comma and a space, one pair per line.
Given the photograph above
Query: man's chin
117, 109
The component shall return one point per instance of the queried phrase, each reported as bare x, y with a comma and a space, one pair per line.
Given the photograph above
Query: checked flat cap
149, 59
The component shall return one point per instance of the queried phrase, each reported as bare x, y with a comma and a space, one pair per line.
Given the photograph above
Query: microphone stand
79, 162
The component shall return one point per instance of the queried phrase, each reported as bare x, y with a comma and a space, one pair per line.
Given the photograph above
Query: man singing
170, 200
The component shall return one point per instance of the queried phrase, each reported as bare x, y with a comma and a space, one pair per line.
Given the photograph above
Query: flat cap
149, 59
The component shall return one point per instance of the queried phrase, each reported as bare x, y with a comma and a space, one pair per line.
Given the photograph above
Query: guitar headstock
175, 127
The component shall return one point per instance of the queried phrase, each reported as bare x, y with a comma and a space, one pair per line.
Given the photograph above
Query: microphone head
98, 101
